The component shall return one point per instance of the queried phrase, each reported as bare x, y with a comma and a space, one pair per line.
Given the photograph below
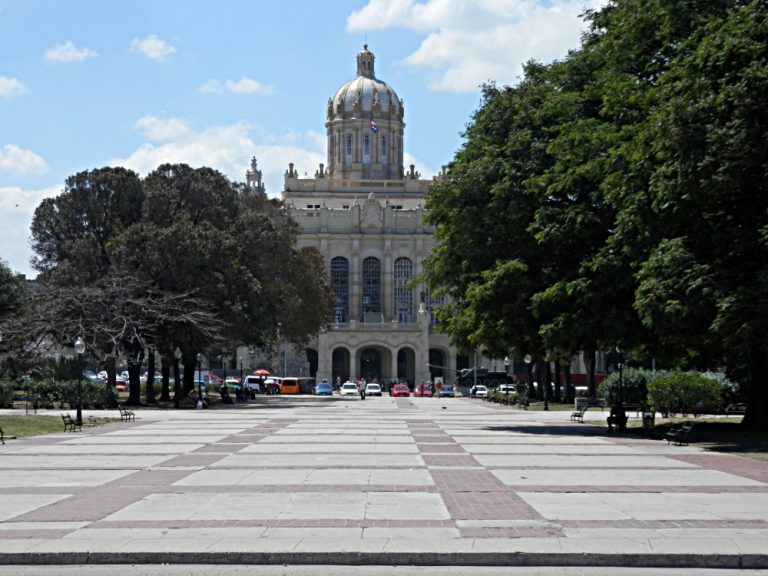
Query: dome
365, 96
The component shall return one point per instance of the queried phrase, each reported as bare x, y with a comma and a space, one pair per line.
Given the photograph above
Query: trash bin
648, 419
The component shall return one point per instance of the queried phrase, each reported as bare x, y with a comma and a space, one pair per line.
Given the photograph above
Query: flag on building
373, 126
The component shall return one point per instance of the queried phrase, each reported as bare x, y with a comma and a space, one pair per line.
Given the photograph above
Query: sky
136, 83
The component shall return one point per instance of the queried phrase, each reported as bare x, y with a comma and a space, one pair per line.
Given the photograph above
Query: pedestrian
362, 392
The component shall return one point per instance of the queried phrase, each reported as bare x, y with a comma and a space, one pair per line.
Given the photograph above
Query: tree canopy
181, 258
618, 196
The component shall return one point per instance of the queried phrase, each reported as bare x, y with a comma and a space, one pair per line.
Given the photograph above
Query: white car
372, 389
479, 391
349, 389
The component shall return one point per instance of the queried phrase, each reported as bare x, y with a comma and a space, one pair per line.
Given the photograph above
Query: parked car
372, 389
233, 383
349, 389
422, 390
447, 392
400, 390
479, 391
253, 384
323, 389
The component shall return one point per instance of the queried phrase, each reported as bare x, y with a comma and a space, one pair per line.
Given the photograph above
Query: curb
521, 559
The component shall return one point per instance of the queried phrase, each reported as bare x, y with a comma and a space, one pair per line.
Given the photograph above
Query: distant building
365, 214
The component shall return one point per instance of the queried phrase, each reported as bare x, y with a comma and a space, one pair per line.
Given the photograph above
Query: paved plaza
386, 481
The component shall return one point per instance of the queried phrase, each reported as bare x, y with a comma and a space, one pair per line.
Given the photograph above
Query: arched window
371, 290
340, 288
431, 302
348, 149
403, 304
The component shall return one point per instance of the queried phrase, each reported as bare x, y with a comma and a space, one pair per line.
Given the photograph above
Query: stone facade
365, 214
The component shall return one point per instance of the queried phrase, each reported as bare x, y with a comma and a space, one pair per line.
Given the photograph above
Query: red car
400, 390
422, 390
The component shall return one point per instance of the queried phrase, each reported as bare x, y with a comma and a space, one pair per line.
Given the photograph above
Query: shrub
634, 388
684, 393
6, 394
503, 397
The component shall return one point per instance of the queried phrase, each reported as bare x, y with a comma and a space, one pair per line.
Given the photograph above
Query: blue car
323, 389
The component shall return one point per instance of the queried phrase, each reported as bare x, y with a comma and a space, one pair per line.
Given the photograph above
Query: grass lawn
23, 426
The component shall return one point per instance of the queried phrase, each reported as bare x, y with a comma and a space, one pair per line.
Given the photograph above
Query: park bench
70, 424
578, 415
680, 435
126, 415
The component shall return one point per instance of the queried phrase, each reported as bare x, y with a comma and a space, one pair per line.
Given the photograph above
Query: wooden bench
70, 424
680, 435
126, 415
578, 415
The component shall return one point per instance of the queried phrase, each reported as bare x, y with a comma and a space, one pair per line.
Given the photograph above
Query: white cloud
67, 53
243, 86
152, 48
229, 150
19, 162
469, 42
247, 86
162, 129
11, 87
211, 86
17, 206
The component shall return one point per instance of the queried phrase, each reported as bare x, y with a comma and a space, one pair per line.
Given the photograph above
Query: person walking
362, 391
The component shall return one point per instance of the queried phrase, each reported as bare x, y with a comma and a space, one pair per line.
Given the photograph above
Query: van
290, 386
253, 384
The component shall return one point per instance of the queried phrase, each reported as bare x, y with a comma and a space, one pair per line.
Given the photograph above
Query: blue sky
135, 83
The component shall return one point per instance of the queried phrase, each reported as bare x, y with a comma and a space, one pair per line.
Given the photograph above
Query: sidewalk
387, 481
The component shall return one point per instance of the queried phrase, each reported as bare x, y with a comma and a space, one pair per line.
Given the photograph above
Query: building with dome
364, 212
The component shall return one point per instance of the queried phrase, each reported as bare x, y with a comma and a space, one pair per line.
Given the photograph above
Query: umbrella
262, 372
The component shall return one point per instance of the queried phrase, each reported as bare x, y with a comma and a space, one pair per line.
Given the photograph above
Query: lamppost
200, 375
546, 388
621, 376
506, 373
176, 383
529, 373
79, 349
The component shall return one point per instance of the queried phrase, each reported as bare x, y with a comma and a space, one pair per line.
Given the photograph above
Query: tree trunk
150, 385
568, 384
756, 417
165, 371
548, 380
558, 378
176, 383
531, 387
589, 357
190, 370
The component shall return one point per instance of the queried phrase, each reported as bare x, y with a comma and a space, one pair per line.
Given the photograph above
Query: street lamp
242, 384
621, 376
200, 375
176, 384
506, 374
529, 375
79, 349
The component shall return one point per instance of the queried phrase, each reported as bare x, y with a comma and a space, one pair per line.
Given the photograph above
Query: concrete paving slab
60, 478
592, 461
12, 505
620, 477
406, 506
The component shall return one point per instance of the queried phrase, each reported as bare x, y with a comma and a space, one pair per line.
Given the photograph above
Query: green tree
75, 234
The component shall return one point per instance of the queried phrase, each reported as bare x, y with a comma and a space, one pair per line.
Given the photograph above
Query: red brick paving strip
89, 505
488, 506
